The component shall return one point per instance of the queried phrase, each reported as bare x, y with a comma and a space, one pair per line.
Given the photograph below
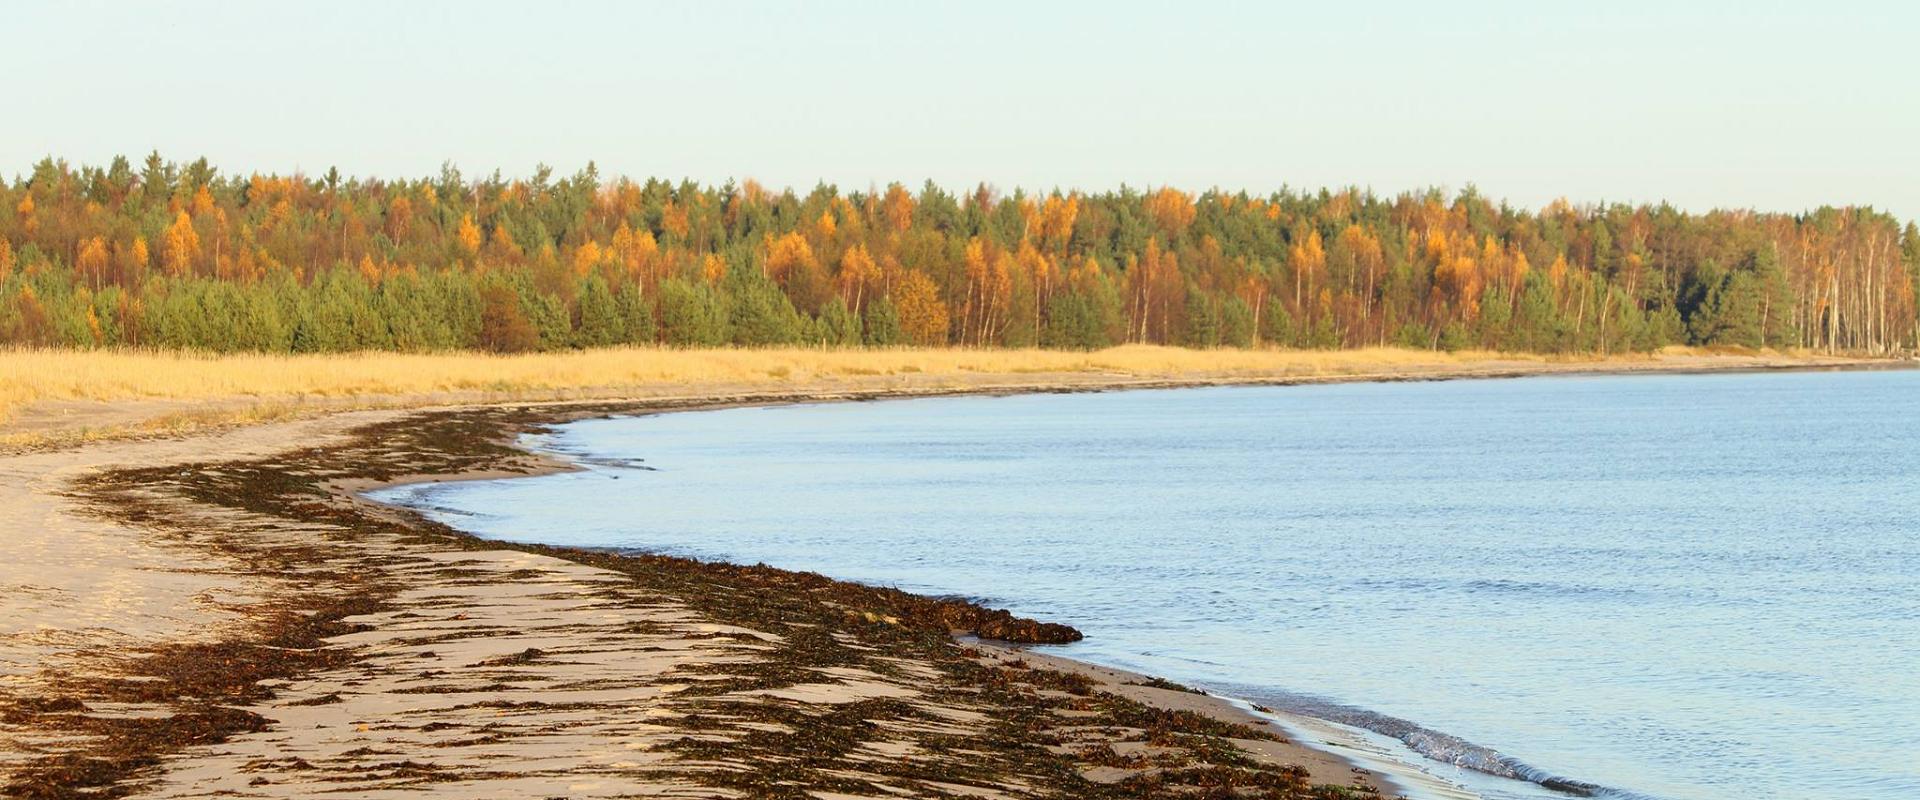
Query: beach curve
143, 590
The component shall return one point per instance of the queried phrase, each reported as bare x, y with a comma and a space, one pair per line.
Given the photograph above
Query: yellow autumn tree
786, 254
202, 201
674, 220
182, 245
857, 272
897, 209
1086, 274
399, 218
1557, 271
1306, 259
29, 222
637, 252
792, 264
586, 257
280, 214
93, 323
1459, 277
1172, 210
92, 261
469, 236
1039, 273
996, 295
1056, 221
1517, 269
977, 268
923, 315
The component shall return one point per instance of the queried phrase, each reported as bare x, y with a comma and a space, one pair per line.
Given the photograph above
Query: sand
76, 588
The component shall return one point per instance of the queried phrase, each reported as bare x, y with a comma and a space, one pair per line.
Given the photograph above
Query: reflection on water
1672, 586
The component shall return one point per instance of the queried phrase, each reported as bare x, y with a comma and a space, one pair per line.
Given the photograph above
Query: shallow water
1669, 586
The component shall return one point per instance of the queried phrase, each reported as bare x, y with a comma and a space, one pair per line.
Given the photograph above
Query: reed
187, 390
33, 375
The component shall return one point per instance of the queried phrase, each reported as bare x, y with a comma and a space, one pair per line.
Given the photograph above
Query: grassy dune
188, 390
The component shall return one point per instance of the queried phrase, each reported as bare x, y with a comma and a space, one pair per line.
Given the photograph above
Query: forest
182, 256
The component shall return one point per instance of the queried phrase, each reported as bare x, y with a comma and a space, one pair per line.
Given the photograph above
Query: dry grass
30, 376
188, 390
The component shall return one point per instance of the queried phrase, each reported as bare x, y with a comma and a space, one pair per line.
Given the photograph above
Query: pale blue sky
1774, 105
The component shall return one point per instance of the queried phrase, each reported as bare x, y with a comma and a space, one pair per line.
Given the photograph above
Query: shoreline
1332, 754
1329, 746
225, 595
320, 689
1342, 745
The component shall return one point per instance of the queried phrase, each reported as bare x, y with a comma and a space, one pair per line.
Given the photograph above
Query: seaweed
734, 736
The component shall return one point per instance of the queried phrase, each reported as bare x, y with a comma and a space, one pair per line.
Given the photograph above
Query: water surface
1680, 587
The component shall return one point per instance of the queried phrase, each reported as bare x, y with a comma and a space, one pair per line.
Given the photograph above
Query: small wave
615, 462
447, 511
1493, 586
1442, 747
1504, 586
424, 503
582, 454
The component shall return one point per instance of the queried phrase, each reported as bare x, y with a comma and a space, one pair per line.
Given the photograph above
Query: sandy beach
219, 613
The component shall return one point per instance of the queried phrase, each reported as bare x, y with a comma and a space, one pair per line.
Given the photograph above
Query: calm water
1671, 586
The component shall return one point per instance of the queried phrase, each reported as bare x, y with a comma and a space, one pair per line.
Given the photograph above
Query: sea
1682, 587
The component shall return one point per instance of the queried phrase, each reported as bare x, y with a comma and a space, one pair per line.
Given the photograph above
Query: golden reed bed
158, 392
35, 375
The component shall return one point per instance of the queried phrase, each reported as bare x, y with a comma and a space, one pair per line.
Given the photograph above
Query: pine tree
597, 318
881, 324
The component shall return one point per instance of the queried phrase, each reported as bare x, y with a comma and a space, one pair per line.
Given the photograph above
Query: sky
1771, 105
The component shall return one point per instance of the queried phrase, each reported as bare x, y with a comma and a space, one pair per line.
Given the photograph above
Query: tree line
182, 256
